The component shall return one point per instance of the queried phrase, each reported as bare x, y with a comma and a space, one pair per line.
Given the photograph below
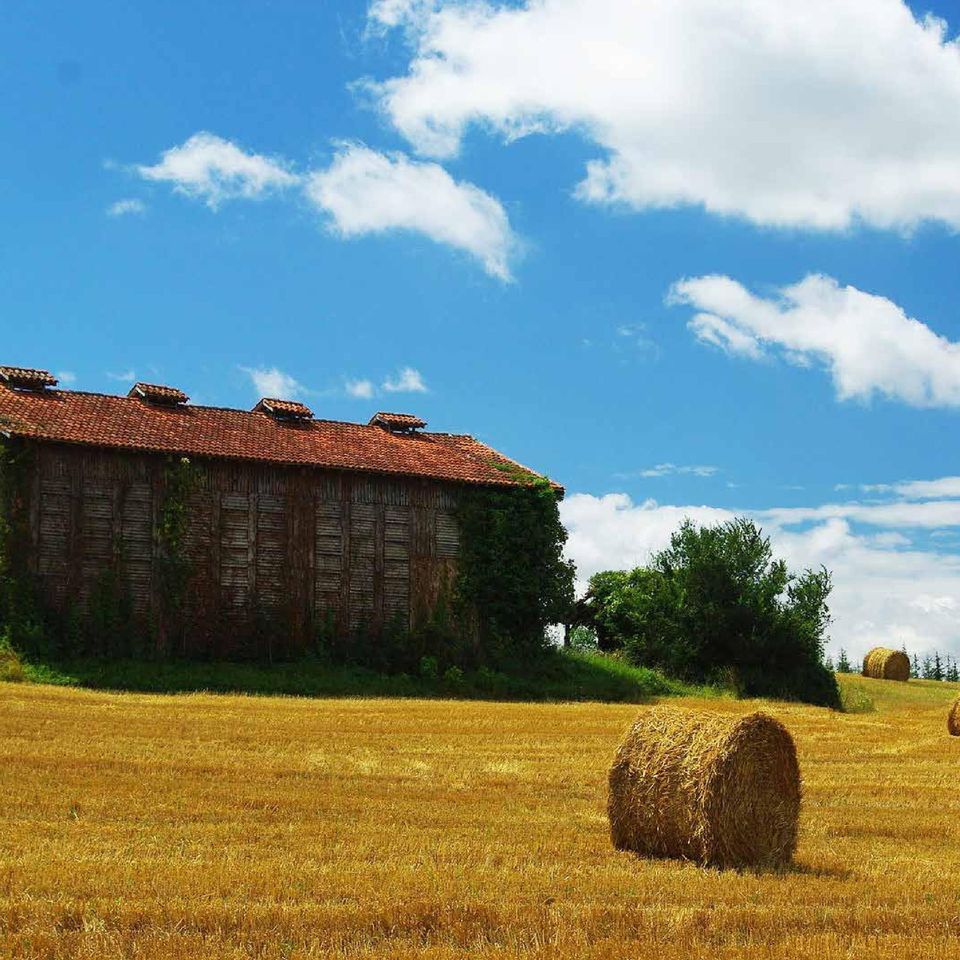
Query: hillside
199, 826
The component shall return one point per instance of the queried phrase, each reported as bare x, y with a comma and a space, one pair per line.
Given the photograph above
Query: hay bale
884, 664
953, 718
718, 790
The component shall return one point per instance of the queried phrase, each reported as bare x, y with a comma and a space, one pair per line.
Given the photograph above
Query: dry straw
884, 664
718, 790
953, 718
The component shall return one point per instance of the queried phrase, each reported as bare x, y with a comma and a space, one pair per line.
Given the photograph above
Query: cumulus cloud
818, 114
127, 207
867, 343
366, 192
359, 389
406, 380
212, 169
273, 382
886, 592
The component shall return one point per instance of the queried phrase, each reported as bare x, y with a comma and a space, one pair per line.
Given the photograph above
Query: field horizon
209, 825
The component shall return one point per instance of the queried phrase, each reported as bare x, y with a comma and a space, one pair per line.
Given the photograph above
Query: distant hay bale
718, 790
953, 718
884, 664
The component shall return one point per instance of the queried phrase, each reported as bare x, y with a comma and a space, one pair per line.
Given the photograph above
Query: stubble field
200, 826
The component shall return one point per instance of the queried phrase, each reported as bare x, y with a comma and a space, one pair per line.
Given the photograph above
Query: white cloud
66, 378
816, 114
867, 343
367, 192
127, 207
886, 591
406, 380
127, 376
274, 383
213, 169
672, 469
359, 389
946, 487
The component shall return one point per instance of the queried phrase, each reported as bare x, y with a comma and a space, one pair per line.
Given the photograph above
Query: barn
242, 517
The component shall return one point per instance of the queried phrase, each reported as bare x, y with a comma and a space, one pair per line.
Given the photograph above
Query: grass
217, 826
560, 676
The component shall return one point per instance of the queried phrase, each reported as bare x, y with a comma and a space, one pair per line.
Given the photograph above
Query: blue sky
503, 300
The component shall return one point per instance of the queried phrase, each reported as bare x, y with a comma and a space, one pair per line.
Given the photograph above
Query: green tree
937, 671
716, 603
843, 664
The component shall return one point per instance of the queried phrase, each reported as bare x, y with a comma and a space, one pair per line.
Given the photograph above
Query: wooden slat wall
296, 546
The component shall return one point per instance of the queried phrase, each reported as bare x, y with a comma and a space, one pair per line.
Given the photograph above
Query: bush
11, 669
716, 604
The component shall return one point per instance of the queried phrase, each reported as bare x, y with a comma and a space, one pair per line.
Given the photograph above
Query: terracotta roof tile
129, 424
284, 408
397, 421
157, 393
27, 377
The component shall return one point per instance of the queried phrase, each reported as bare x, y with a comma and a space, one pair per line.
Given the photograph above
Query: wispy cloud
360, 389
273, 382
127, 207
670, 470
212, 169
66, 378
128, 376
406, 380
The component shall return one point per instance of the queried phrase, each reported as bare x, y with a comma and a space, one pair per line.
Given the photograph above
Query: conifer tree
843, 664
937, 666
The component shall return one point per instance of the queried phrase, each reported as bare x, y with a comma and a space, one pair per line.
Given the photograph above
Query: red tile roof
397, 421
157, 393
127, 423
284, 408
27, 377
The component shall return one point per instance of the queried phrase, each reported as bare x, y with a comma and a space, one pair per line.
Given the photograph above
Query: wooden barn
288, 518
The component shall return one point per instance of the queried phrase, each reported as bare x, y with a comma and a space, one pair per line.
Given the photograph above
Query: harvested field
200, 826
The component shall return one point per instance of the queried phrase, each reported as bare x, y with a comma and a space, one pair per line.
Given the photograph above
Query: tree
716, 603
927, 668
952, 674
937, 671
828, 663
915, 669
843, 664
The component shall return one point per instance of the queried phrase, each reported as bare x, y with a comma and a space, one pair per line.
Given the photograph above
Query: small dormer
24, 378
158, 394
289, 410
397, 422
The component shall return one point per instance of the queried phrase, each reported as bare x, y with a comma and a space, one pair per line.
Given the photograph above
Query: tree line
930, 667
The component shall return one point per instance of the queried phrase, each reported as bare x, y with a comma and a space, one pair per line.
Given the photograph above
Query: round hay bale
953, 718
882, 663
718, 790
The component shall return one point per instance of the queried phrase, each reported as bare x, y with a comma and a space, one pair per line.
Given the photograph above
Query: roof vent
397, 422
284, 409
23, 378
156, 393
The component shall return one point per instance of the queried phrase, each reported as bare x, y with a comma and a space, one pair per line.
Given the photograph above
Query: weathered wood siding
286, 546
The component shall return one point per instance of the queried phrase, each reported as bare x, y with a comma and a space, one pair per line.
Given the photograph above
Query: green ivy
181, 480
511, 574
21, 621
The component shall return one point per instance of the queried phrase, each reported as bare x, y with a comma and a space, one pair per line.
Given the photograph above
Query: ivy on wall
181, 480
511, 572
21, 622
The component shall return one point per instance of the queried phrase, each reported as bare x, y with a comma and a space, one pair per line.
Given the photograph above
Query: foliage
21, 615
511, 572
717, 604
181, 480
843, 664
551, 676
11, 668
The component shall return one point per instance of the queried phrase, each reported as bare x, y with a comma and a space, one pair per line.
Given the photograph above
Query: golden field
198, 826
